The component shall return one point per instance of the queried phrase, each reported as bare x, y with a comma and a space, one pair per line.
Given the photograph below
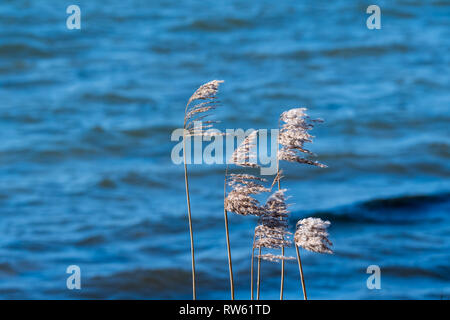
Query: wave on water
403, 209
217, 25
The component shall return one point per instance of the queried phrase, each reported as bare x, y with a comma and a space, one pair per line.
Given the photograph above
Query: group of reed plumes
272, 232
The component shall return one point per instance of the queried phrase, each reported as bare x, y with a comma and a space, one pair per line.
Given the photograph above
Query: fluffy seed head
274, 258
272, 230
206, 91
312, 235
245, 154
240, 200
205, 95
294, 134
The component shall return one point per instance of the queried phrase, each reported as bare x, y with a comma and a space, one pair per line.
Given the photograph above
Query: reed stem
230, 264
206, 92
301, 272
194, 296
282, 274
259, 274
279, 188
251, 268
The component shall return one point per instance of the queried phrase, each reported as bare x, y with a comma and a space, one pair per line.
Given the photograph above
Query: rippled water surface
86, 116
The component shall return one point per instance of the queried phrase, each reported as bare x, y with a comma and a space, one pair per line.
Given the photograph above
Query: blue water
86, 115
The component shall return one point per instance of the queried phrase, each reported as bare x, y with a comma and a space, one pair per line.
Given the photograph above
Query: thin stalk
251, 268
230, 265
282, 274
279, 188
259, 274
301, 273
205, 92
282, 249
194, 296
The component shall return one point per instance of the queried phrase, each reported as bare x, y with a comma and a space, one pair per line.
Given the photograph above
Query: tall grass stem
230, 264
186, 180
301, 272
279, 188
259, 274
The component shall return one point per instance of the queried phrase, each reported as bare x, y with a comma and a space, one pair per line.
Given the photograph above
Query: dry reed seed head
245, 154
272, 243
291, 156
206, 91
272, 237
199, 111
312, 235
276, 204
247, 184
272, 231
242, 203
295, 138
274, 258
295, 114
244, 178
262, 230
298, 117
276, 211
294, 134
239, 199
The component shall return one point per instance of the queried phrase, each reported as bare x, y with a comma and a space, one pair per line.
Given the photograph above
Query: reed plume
197, 108
312, 235
272, 230
274, 258
245, 154
293, 134
240, 199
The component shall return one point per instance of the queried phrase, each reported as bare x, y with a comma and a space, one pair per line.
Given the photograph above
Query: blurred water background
86, 116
